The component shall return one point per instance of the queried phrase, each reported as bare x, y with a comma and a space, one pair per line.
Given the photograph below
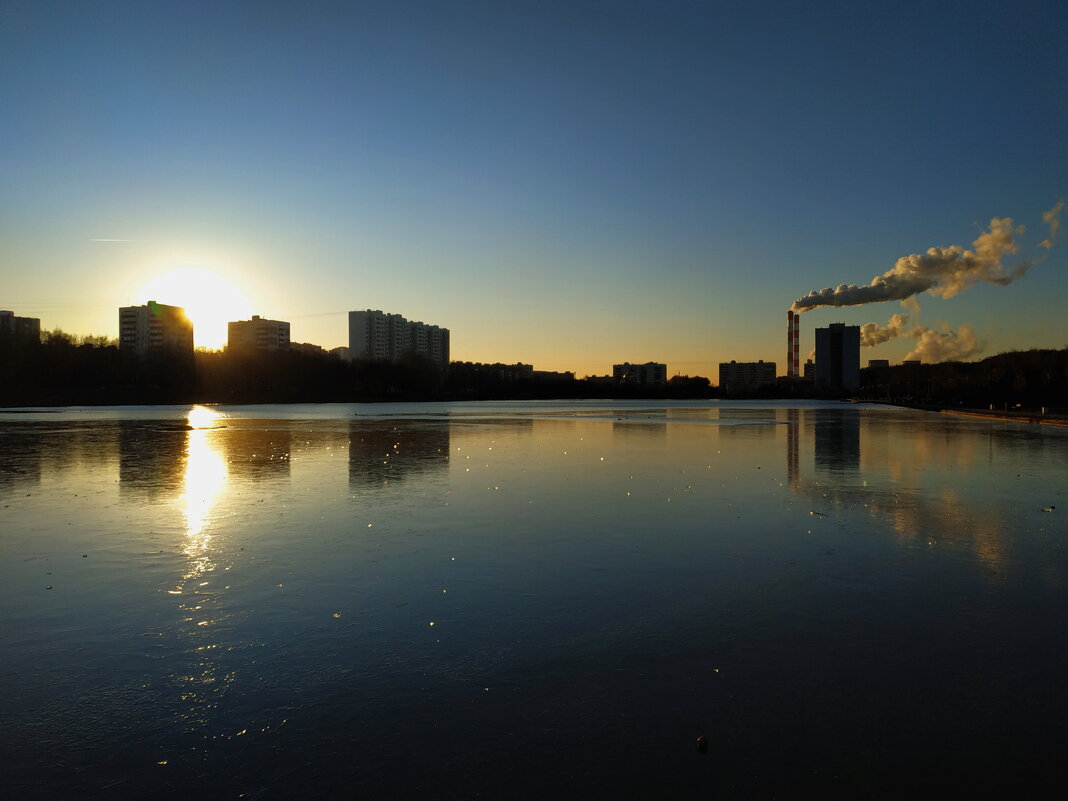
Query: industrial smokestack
795, 363
792, 343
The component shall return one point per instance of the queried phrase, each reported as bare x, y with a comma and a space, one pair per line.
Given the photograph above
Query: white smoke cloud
932, 346
872, 334
946, 345
1052, 218
943, 272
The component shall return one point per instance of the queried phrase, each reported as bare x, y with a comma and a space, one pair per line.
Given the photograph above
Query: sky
568, 184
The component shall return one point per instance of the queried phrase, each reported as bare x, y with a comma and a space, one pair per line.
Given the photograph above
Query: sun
210, 300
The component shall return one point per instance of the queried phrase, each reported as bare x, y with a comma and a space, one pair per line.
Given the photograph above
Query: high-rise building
257, 334
838, 356
19, 331
745, 376
155, 328
374, 334
648, 374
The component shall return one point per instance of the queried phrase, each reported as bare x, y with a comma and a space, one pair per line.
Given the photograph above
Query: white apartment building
745, 376
257, 334
155, 328
373, 334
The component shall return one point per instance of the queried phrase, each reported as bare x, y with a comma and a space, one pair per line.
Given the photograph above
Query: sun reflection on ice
203, 481
201, 683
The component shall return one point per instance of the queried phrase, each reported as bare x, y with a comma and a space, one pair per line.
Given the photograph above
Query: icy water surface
530, 600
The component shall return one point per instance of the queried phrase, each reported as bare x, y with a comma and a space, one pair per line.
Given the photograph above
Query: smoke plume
945, 345
931, 346
942, 272
1052, 218
872, 334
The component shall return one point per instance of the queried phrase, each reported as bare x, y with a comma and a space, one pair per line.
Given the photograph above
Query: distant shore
1015, 417
988, 414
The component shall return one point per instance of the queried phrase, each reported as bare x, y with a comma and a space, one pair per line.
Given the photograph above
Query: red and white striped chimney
790, 344
796, 363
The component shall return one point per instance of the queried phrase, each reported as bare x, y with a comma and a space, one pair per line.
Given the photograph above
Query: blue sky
569, 184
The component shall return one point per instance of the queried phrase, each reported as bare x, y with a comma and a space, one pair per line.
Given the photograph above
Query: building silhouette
374, 334
155, 328
19, 331
838, 356
257, 334
745, 376
648, 374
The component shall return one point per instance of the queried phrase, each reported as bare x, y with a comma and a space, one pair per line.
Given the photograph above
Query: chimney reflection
793, 444
384, 451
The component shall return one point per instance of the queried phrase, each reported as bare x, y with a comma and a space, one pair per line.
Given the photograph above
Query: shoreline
1013, 417
985, 414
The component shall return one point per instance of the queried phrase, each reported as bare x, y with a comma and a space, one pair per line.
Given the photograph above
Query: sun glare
209, 300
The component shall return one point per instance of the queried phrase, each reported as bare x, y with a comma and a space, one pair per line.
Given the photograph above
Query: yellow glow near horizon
210, 300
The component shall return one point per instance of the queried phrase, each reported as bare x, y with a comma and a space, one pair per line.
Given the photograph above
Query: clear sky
569, 184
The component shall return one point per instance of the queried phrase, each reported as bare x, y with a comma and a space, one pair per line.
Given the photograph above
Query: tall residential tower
838, 356
376, 335
155, 328
257, 334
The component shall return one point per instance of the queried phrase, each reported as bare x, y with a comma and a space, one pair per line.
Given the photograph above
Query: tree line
1028, 379
66, 370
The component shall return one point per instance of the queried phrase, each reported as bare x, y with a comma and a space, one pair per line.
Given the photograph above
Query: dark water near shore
521, 600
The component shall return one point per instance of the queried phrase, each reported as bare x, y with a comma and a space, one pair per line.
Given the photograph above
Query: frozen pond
522, 600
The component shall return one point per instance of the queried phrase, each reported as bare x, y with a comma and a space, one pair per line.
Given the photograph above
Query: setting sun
209, 300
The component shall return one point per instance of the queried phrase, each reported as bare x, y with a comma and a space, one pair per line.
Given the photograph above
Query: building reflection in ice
889, 466
384, 451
